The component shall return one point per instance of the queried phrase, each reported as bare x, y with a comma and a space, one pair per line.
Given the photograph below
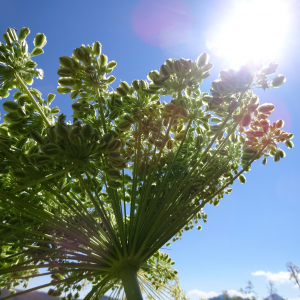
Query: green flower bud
215, 120
12, 118
277, 156
65, 72
108, 137
278, 81
51, 133
259, 133
76, 106
121, 92
242, 178
246, 120
110, 79
79, 54
143, 85
28, 79
202, 60
90, 70
279, 124
30, 64
19, 173
21, 112
24, 159
74, 94
24, 99
114, 174
249, 150
37, 137
63, 90
281, 153
264, 161
114, 184
198, 141
50, 98
178, 67
61, 129
114, 145
77, 189
169, 64
97, 48
21, 142
67, 81
266, 108
24, 47
289, 144
118, 163
111, 64
169, 144
135, 85
4, 94
152, 75
17, 95
179, 136
54, 110
67, 62
29, 109
7, 39
23, 33
214, 128
102, 60
51, 150
37, 51
87, 131
33, 149
40, 40
124, 125
10, 106
223, 152
271, 69
207, 67
165, 71
125, 86
114, 154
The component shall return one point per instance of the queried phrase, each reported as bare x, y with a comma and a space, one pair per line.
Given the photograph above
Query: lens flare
255, 30
164, 23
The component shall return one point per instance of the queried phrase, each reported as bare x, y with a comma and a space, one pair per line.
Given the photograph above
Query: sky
253, 233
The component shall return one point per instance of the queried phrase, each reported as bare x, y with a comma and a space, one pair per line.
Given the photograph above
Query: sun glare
255, 30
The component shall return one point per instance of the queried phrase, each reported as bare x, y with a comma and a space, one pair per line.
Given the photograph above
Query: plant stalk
128, 275
33, 102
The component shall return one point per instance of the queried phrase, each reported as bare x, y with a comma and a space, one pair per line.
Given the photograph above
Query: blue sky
256, 228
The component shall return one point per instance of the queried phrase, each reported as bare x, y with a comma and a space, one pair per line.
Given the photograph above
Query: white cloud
232, 293
280, 277
296, 286
196, 294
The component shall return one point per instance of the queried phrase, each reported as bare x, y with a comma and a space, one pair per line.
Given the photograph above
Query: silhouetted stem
131, 285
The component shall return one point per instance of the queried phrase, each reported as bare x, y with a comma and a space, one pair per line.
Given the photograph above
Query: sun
255, 30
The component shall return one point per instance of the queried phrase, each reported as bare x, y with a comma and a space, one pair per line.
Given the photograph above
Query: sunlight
255, 30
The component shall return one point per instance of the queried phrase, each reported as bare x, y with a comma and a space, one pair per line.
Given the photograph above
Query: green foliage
91, 198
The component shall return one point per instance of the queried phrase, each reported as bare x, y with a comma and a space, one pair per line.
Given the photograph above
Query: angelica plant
96, 197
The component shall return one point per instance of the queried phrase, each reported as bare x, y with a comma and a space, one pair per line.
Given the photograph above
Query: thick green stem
130, 282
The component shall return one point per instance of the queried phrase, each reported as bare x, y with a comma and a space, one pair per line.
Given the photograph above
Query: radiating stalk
128, 275
33, 102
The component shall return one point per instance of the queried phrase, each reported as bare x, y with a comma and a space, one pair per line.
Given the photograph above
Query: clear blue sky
256, 228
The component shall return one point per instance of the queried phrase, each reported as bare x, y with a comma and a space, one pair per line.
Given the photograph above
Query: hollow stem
128, 275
